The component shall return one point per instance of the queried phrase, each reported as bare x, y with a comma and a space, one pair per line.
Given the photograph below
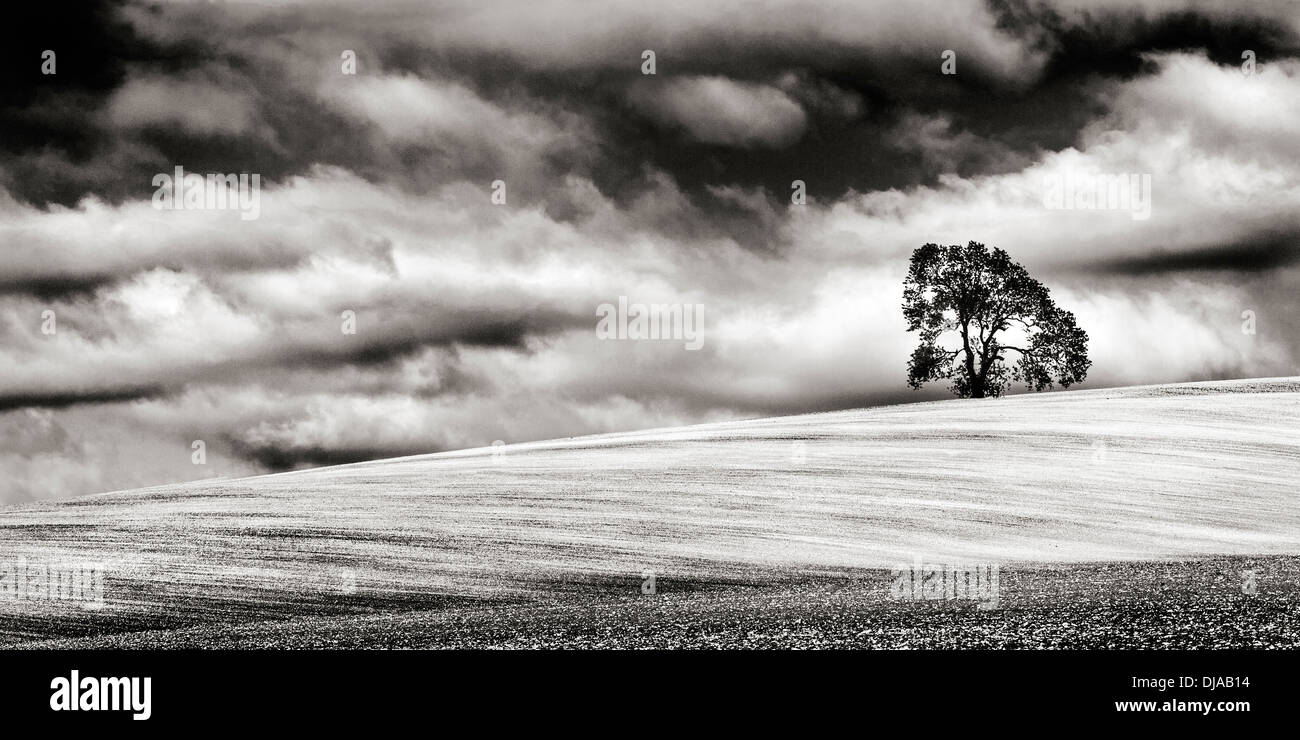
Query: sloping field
1151, 473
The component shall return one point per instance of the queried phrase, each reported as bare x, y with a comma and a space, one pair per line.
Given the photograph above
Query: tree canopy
972, 306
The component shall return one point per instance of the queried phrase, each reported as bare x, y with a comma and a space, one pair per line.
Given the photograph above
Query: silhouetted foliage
988, 305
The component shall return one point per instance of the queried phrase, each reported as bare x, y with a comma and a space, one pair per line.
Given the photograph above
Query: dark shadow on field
1212, 603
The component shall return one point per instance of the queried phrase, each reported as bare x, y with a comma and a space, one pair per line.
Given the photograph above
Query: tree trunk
976, 384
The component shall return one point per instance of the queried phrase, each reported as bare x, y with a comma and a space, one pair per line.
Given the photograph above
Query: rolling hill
1201, 473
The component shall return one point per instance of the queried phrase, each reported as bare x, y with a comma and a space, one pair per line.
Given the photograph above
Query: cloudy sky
475, 321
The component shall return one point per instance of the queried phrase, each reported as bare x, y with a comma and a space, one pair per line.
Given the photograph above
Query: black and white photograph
422, 331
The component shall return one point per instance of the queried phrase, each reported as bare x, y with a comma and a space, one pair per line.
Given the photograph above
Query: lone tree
988, 305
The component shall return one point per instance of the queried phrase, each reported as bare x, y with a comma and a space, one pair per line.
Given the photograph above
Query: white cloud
195, 104
717, 110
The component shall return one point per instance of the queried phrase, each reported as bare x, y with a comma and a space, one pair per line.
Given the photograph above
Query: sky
129, 331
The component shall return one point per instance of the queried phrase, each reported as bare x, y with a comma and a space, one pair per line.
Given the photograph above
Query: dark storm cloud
63, 142
843, 131
79, 280
93, 42
399, 335
857, 146
51, 287
280, 459
1113, 39
1263, 253
53, 116
66, 399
